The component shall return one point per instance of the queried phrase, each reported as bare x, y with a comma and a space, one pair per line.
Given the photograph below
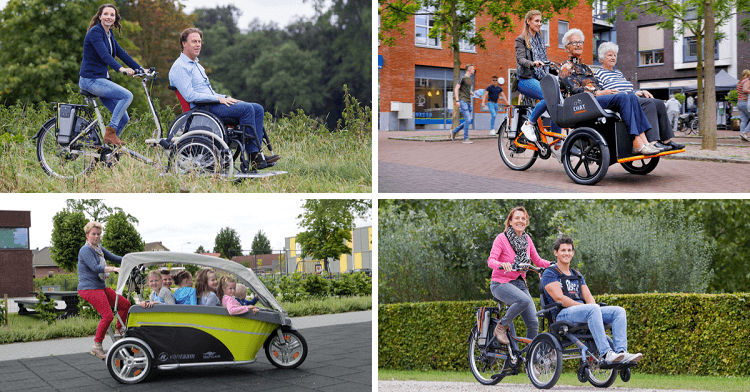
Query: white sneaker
632, 358
613, 357
528, 131
493, 132
467, 141
556, 153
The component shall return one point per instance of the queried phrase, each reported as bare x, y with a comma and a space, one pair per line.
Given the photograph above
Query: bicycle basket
66, 123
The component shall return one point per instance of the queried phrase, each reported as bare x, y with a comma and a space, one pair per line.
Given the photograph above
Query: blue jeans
245, 113
516, 294
596, 316
744, 117
630, 111
113, 96
532, 88
493, 106
466, 112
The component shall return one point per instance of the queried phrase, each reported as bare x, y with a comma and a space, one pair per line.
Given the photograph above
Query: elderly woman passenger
661, 134
576, 78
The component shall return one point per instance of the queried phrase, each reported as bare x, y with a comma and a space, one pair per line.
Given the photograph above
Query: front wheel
544, 362
600, 378
694, 126
195, 155
516, 158
69, 161
586, 158
129, 361
286, 354
483, 367
641, 166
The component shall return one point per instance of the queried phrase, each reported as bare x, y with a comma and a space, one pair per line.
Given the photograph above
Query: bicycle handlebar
526, 267
143, 73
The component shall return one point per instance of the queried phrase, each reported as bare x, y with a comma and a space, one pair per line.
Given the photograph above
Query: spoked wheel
129, 361
600, 378
482, 366
694, 126
544, 362
586, 158
287, 354
195, 155
516, 158
69, 161
643, 166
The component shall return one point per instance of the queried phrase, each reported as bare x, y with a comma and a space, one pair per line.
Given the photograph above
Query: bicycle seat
87, 94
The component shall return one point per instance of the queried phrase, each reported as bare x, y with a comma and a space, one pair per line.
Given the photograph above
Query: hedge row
702, 334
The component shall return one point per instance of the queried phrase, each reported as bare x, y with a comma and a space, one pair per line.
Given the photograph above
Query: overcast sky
180, 222
282, 12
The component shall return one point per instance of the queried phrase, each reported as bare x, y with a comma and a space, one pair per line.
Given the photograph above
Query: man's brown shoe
111, 137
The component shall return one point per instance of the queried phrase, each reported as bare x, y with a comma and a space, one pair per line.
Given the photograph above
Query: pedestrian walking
462, 95
490, 97
673, 110
743, 90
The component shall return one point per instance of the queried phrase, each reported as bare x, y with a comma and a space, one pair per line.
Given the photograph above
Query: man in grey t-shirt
462, 96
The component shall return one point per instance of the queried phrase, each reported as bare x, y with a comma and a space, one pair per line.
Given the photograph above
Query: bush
46, 308
316, 286
291, 289
67, 282
701, 334
3, 307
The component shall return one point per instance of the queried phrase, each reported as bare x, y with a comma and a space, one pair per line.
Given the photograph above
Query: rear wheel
544, 362
642, 166
286, 354
694, 126
72, 160
129, 362
482, 366
586, 158
516, 158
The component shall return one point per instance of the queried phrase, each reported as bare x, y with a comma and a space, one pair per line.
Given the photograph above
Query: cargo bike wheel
544, 362
68, 160
598, 377
287, 352
483, 367
129, 361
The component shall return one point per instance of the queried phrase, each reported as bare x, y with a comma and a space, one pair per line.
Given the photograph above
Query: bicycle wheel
694, 126
195, 155
585, 159
600, 378
288, 354
516, 158
643, 166
69, 161
482, 366
544, 362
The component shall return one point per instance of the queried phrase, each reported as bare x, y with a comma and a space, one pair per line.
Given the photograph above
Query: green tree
455, 19
67, 238
261, 244
96, 210
120, 237
329, 225
227, 243
200, 249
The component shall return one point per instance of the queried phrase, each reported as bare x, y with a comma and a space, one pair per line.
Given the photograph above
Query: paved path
429, 386
419, 167
339, 359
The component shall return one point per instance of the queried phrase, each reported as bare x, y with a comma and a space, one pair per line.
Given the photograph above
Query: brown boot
111, 137
98, 351
500, 334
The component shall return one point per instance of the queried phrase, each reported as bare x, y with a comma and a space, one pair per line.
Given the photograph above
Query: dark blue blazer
96, 54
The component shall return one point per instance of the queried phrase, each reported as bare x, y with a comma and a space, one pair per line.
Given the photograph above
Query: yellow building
361, 256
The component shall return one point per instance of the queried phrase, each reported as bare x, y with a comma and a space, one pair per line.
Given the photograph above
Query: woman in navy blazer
99, 51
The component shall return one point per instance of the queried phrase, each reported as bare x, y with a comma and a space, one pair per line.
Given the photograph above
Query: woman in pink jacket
510, 247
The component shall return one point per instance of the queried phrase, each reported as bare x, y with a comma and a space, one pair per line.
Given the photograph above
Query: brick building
43, 264
418, 70
16, 271
260, 263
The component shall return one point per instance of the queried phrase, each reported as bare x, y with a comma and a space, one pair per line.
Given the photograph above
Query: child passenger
206, 285
159, 293
227, 287
241, 295
185, 295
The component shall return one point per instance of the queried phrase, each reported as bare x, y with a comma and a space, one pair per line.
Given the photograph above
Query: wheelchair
568, 340
204, 136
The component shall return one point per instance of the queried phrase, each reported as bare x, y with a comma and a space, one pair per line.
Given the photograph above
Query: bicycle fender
592, 132
53, 120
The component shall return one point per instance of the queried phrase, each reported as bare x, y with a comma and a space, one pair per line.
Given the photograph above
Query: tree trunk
455, 120
709, 92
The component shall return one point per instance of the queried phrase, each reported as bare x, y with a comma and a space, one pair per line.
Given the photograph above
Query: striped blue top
613, 80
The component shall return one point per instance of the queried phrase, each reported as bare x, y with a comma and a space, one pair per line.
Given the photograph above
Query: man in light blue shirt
190, 79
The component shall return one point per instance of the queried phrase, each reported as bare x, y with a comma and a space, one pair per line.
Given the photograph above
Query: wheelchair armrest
553, 305
602, 304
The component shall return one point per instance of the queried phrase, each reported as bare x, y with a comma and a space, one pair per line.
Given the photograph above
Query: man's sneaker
613, 357
744, 137
467, 141
453, 135
632, 358
493, 132
528, 131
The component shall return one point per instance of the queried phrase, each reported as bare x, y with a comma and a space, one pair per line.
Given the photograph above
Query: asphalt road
339, 359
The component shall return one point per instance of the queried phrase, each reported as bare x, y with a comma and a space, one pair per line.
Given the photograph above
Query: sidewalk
48, 348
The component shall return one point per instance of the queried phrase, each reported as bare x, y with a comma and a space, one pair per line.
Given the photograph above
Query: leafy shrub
3, 308
701, 334
316, 286
291, 289
46, 308
67, 282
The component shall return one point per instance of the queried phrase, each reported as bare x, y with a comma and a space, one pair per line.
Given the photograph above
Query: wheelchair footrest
616, 365
254, 175
639, 157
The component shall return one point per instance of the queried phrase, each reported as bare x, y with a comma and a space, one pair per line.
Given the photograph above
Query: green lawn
638, 380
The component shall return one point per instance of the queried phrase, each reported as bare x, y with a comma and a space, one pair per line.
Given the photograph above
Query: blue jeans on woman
532, 88
516, 294
246, 113
744, 118
465, 109
630, 111
596, 316
113, 96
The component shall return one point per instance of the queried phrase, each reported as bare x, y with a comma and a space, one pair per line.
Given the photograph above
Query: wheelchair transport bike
169, 337
597, 138
541, 358
197, 142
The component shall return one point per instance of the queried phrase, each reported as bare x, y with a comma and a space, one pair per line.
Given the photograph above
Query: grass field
637, 380
317, 159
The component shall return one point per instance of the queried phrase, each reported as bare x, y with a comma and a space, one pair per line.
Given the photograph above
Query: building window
690, 49
423, 22
650, 45
14, 238
562, 28
545, 33
464, 45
